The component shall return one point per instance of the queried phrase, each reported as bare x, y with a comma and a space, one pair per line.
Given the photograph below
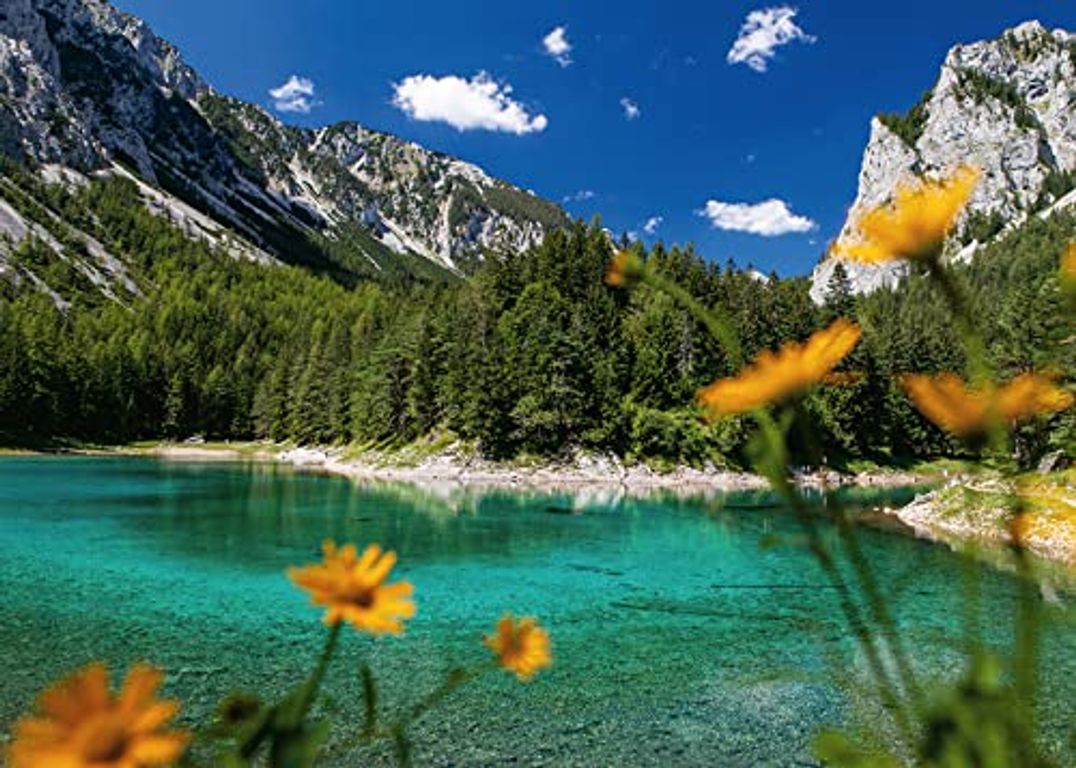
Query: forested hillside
533, 355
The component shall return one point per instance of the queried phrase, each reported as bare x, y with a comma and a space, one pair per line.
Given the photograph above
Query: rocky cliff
84, 86
1007, 106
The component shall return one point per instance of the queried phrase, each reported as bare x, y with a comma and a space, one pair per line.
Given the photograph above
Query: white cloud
466, 105
580, 196
631, 109
652, 224
556, 45
295, 95
762, 33
768, 218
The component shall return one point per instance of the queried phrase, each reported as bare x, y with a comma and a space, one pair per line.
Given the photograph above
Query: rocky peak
1006, 106
87, 86
161, 58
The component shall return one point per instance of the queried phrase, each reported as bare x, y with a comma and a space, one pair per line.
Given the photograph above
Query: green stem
721, 329
288, 715
972, 613
979, 369
860, 628
716, 322
1025, 654
398, 731
455, 679
960, 307
314, 682
876, 602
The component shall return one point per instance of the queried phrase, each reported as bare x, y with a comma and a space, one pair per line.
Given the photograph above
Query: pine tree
840, 301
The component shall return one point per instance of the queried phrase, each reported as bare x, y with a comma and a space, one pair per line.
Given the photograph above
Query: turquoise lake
679, 639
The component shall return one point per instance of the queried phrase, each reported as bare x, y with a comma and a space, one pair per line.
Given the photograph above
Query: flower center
106, 743
361, 597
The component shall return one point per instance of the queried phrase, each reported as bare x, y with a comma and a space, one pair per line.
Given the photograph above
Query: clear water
678, 638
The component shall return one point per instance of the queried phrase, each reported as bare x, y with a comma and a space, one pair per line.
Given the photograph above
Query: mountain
86, 89
1007, 106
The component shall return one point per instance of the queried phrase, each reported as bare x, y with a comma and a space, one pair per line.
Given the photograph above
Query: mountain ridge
86, 86
1006, 105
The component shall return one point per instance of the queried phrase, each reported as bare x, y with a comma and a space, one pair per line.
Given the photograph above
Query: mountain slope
1007, 106
87, 87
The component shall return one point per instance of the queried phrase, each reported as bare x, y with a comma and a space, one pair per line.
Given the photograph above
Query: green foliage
259, 145
533, 354
524, 206
982, 227
1029, 47
465, 199
976, 723
837, 750
675, 438
840, 301
981, 87
910, 125
503, 199
1056, 185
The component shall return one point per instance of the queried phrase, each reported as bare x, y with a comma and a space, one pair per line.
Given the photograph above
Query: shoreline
582, 472
928, 516
448, 466
977, 512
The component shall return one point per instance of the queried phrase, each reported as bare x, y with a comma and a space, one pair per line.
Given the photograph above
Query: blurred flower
844, 378
520, 646
238, 708
80, 724
947, 401
914, 225
1048, 513
1068, 269
354, 589
774, 376
625, 270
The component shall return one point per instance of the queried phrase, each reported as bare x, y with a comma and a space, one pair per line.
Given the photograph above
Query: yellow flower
844, 378
1048, 515
354, 590
80, 724
1068, 268
520, 646
914, 225
947, 401
625, 270
774, 376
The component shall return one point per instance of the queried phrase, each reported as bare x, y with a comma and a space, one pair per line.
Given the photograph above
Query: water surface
680, 635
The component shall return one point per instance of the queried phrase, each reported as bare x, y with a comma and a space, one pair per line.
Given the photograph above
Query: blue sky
707, 128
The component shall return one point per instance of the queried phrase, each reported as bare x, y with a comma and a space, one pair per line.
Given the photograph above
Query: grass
412, 454
1051, 509
973, 505
927, 468
247, 449
1047, 524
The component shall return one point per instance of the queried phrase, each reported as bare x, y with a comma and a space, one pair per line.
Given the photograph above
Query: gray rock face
86, 86
1006, 106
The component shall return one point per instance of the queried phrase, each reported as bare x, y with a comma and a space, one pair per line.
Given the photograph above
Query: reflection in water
681, 634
